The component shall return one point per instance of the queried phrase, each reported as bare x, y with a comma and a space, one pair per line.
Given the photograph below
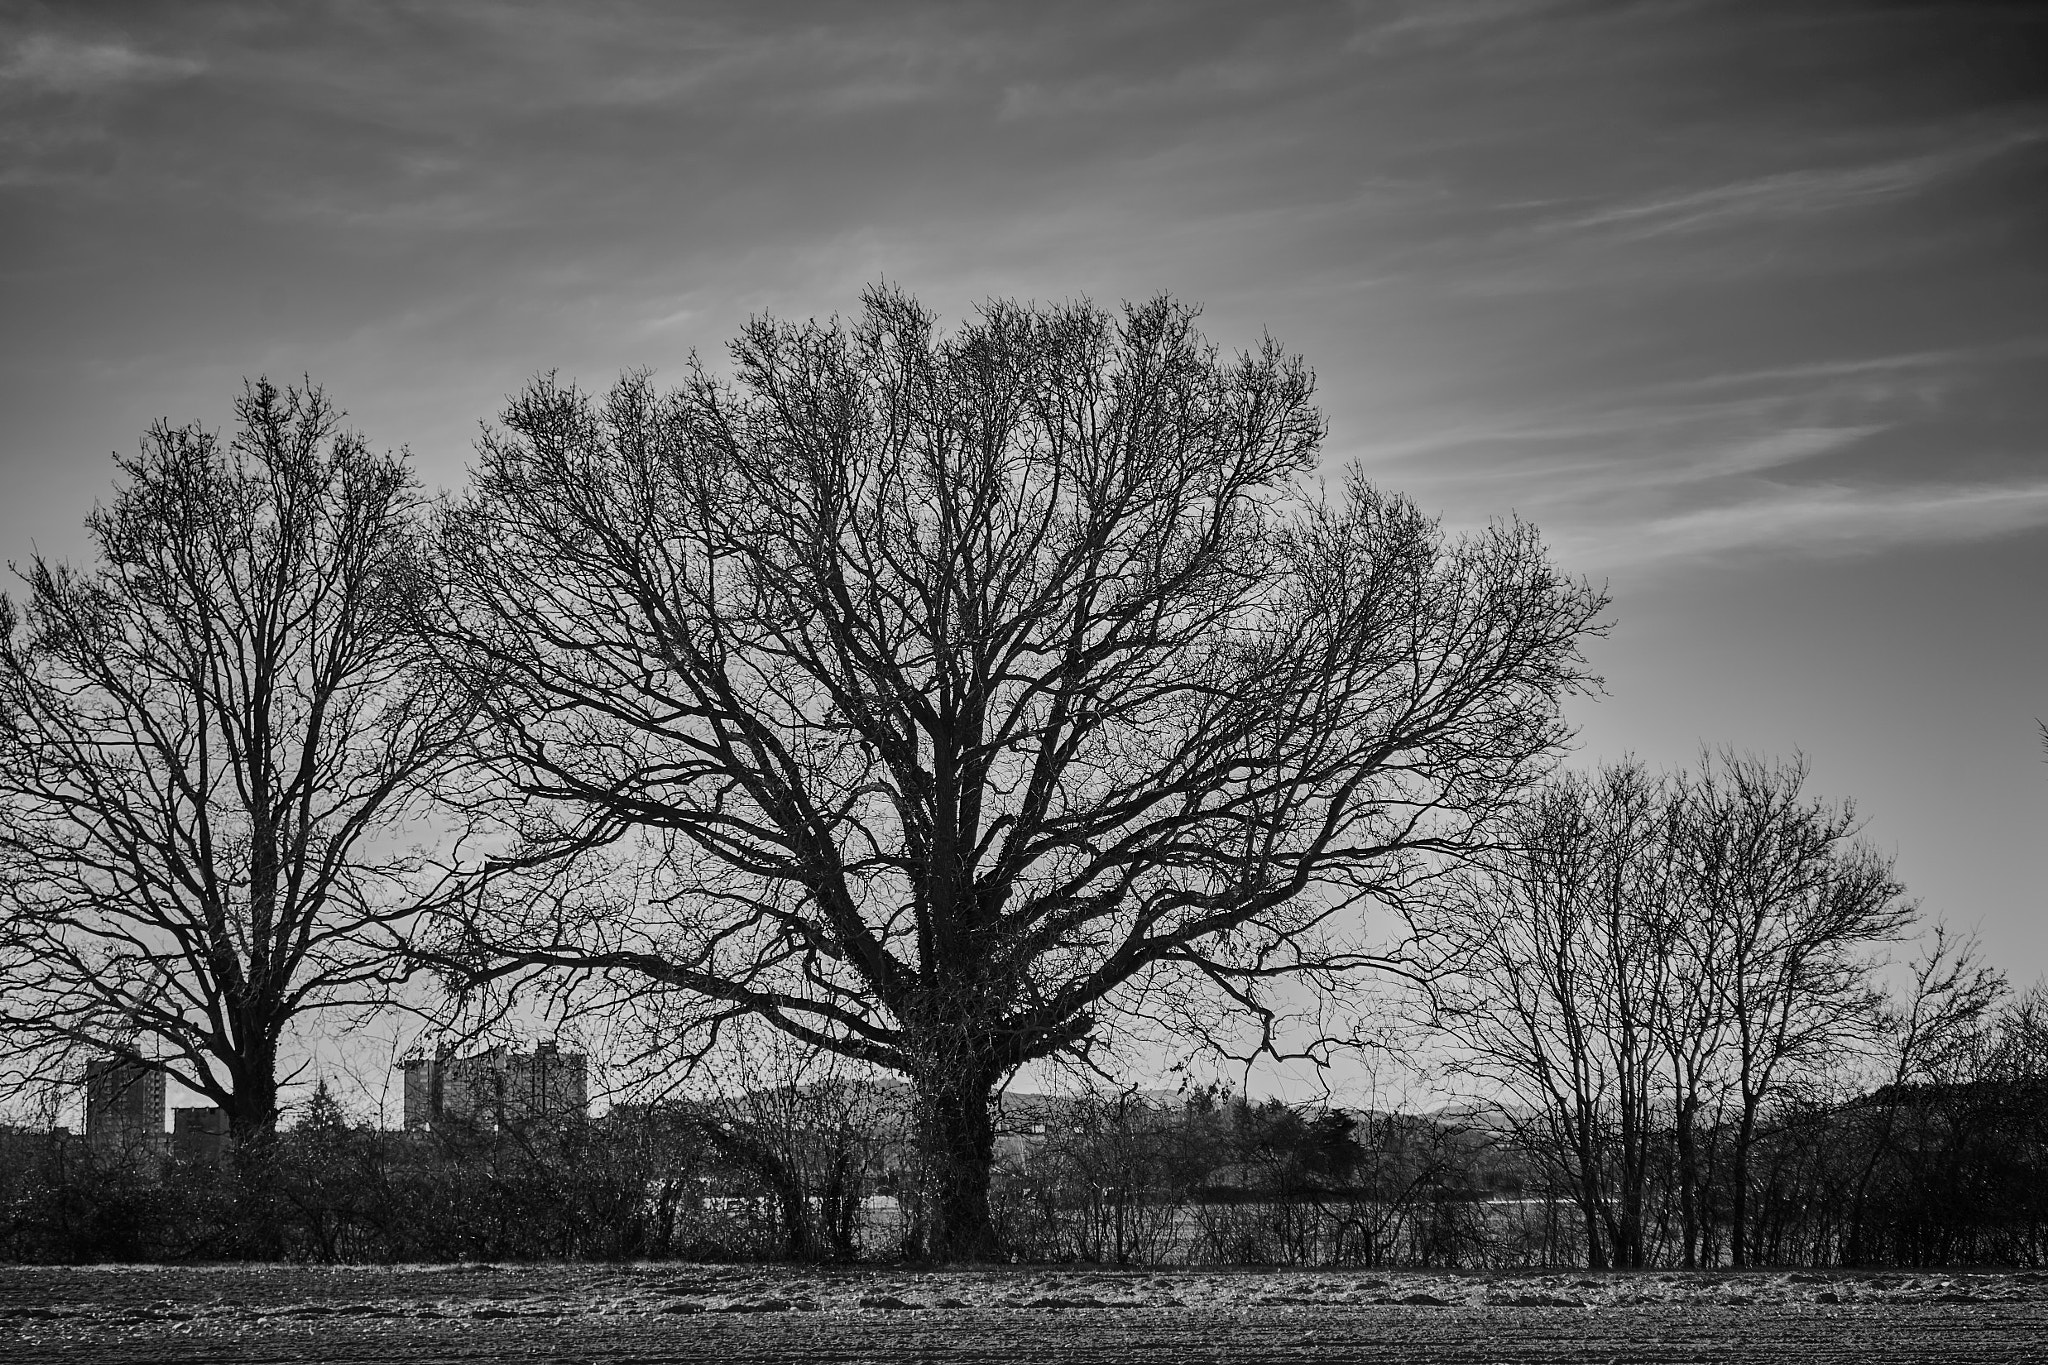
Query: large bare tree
210, 747
940, 697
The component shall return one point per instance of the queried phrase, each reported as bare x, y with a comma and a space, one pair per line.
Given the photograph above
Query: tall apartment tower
496, 1088
423, 1089
124, 1107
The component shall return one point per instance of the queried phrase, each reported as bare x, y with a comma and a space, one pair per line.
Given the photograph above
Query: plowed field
733, 1315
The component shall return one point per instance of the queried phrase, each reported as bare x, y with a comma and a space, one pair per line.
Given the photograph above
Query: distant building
124, 1107
199, 1134
496, 1088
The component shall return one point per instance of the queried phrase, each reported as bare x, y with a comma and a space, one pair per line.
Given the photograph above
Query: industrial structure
496, 1088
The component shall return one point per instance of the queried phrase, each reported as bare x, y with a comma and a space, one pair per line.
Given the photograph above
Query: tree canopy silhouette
938, 697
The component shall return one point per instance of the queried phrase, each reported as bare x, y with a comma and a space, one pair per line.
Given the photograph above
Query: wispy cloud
1771, 450
1863, 367
1788, 194
1674, 445
1099, 95
1796, 193
1444, 21
56, 63
1823, 520
1819, 458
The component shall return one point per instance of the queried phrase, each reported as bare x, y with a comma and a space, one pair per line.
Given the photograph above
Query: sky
1744, 305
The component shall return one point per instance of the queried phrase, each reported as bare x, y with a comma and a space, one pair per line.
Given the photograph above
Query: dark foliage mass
1918, 1175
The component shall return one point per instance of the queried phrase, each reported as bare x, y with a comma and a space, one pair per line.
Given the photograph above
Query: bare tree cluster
1652, 964
941, 703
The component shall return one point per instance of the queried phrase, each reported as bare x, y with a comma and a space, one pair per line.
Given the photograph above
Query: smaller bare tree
210, 746
1795, 905
1554, 979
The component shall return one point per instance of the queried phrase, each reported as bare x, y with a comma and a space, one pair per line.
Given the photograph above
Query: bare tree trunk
1634, 1169
795, 1209
1594, 1207
1689, 1210
1589, 1201
251, 1108
840, 1204
957, 1138
1738, 1203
